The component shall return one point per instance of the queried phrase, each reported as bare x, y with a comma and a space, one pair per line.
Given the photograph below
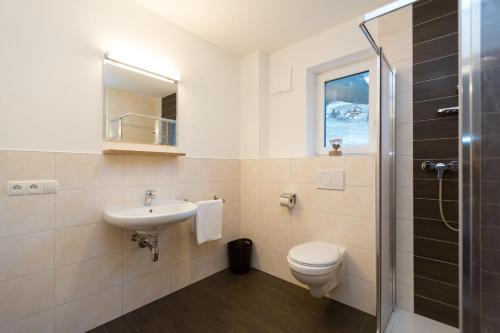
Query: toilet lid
315, 254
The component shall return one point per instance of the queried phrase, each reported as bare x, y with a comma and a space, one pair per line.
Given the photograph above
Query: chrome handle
450, 110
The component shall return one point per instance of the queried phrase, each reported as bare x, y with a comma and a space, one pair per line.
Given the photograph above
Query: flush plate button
330, 179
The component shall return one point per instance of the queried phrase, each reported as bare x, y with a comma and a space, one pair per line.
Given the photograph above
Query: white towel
209, 220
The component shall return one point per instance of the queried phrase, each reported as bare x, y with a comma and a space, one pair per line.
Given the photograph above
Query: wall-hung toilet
317, 264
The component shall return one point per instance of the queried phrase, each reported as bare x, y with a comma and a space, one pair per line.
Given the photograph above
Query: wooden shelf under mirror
119, 148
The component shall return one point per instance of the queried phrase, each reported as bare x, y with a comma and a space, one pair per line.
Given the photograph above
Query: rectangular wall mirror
139, 106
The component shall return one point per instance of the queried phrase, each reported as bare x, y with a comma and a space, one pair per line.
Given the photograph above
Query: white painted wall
253, 104
290, 119
51, 65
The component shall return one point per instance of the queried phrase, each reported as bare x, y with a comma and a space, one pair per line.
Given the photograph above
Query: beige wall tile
20, 165
137, 261
404, 267
192, 192
230, 232
404, 296
249, 212
404, 107
404, 139
87, 277
404, 75
40, 323
395, 21
310, 198
75, 244
146, 170
17, 219
310, 223
250, 169
183, 248
88, 171
359, 170
404, 235
229, 191
354, 201
145, 289
275, 240
353, 231
275, 170
398, 44
187, 272
274, 216
23, 255
188, 170
88, 312
360, 264
250, 191
251, 231
274, 263
404, 171
305, 170
136, 194
222, 170
404, 203
216, 260
84, 206
231, 212
357, 293
26, 296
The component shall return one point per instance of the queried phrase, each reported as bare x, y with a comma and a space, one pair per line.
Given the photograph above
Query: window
345, 109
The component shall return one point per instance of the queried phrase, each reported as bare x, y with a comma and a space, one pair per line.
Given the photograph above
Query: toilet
317, 264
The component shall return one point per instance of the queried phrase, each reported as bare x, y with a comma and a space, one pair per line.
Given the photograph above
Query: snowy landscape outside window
346, 110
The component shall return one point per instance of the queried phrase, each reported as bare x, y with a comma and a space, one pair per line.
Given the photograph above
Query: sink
150, 219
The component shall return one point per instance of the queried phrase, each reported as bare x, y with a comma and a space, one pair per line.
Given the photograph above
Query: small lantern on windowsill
336, 147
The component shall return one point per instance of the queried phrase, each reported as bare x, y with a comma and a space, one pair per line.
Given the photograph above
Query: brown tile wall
435, 137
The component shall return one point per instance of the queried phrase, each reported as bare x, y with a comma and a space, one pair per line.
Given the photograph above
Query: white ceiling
243, 26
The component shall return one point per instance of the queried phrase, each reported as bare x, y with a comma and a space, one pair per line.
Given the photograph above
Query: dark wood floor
255, 302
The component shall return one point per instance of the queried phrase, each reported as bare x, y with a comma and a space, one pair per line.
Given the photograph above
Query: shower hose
441, 205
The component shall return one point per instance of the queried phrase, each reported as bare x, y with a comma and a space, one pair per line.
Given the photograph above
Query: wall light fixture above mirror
140, 106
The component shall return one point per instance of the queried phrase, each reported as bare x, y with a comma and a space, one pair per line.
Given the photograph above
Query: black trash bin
240, 255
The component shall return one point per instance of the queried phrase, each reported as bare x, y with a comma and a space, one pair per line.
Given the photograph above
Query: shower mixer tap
440, 167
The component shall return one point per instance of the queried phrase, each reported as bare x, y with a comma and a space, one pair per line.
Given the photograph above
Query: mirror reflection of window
139, 108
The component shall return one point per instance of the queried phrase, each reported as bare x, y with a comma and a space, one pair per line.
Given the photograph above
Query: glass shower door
386, 221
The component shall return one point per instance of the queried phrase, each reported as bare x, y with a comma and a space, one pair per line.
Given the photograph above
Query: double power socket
30, 187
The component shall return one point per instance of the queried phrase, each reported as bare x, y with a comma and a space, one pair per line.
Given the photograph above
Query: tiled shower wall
64, 269
345, 217
435, 80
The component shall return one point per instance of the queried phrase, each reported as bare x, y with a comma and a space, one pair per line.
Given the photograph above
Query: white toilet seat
309, 270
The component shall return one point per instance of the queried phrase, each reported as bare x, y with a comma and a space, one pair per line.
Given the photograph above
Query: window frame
339, 73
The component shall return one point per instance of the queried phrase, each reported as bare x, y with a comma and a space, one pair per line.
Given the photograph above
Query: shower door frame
381, 324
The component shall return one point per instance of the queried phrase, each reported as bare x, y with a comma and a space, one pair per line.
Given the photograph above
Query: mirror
139, 106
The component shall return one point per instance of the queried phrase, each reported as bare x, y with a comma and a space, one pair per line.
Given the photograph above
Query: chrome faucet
148, 198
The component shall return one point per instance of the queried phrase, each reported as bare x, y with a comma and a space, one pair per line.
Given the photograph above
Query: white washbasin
150, 218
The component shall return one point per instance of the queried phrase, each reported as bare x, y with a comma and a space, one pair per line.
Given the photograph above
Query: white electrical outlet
15, 188
330, 179
33, 188
30, 187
